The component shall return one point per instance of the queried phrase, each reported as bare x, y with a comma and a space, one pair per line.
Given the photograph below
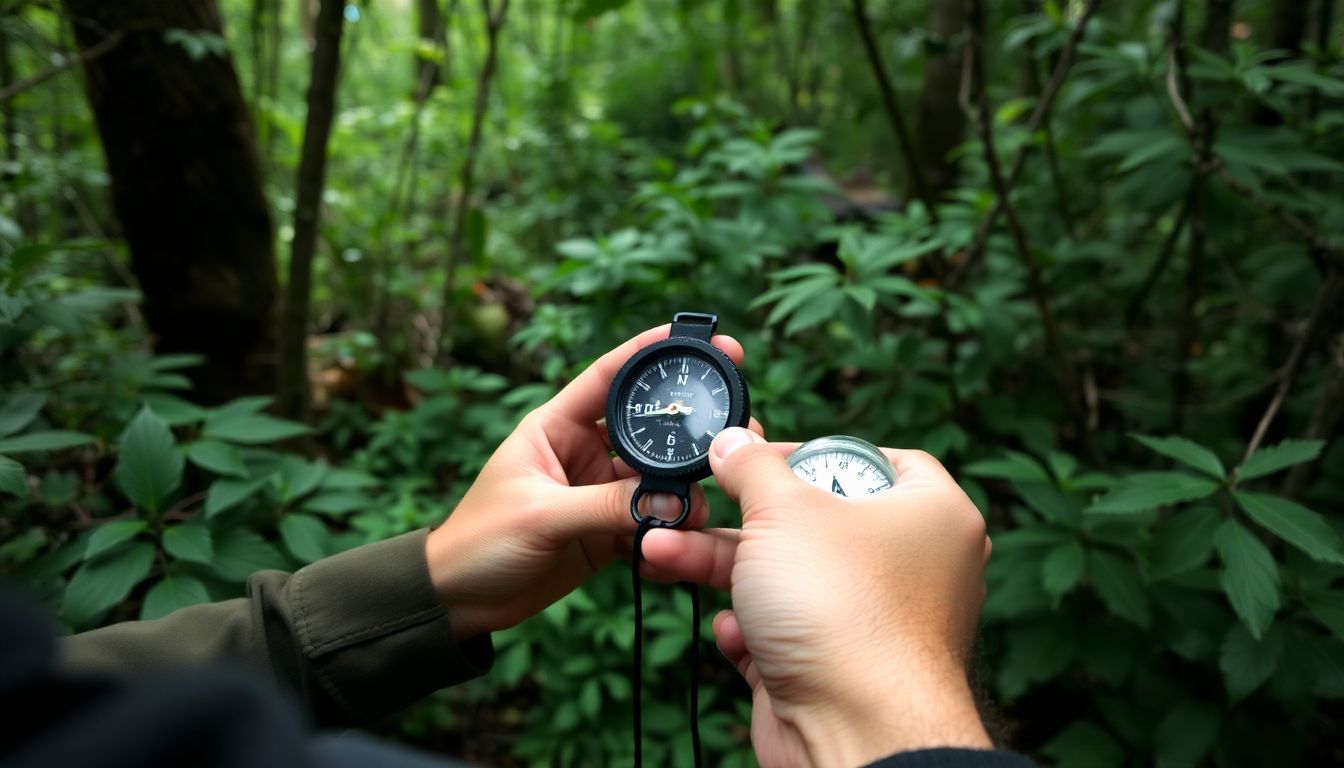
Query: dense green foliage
1156, 595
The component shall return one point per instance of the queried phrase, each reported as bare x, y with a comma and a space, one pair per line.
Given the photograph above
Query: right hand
852, 620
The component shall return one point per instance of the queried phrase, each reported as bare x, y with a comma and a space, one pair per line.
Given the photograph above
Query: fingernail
664, 506
731, 439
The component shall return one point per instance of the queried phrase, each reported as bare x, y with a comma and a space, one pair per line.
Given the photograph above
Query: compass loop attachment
649, 485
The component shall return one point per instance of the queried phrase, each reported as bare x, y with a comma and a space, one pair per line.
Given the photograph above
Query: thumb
750, 470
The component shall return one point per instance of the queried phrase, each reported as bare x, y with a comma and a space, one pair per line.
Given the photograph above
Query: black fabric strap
636, 672
697, 325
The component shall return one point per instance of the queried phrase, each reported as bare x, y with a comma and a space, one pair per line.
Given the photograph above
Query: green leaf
1186, 734
1150, 490
1331, 615
1295, 524
1118, 583
1049, 503
109, 535
1084, 744
298, 477
226, 493
305, 537
1062, 568
13, 478
150, 465
217, 457
1187, 452
189, 542
172, 409
100, 584
1250, 576
171, 594
1184, 541
1013, 466
348, 480
36, 442
1248, 662
19, 410
239, 426
239, 553
338, 502
1267, 461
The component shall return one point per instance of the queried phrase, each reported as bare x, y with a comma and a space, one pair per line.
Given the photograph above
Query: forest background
277, 276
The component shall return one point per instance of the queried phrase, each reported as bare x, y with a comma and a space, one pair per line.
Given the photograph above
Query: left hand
550, 508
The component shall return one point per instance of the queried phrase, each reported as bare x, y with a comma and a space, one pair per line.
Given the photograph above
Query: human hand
549, 508
852, 620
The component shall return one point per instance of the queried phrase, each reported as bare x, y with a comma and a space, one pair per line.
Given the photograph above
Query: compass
667, 403
846, 466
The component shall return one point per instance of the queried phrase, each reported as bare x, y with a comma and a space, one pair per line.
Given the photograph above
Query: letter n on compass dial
675, 408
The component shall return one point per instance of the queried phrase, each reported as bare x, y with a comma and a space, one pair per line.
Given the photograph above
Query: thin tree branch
91, 53
892, 107
1160, 265
1324, 418
1327, 302
977, 247
494, 20
1066, 377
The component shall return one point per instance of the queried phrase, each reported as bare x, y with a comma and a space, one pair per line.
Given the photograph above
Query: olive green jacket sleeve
355, 636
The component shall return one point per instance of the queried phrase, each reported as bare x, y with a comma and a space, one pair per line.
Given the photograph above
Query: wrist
445, 574
887, 714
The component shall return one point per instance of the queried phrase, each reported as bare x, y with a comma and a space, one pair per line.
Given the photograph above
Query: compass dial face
843, 474
673, 407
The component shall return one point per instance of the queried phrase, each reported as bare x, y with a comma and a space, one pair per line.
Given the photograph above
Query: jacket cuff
950, 757
374, 631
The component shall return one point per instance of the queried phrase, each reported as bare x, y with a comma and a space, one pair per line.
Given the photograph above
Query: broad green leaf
1250, 576
171, 594
1150, 490
1187, 452
239, 553
1186, 734
102, 583
173, 410
1184, 541
13, 478
150, 465
189, 541
1295, 524
226, 493
1049, 503
109, 535
250, 428
337, 502
339, 479
298, 477
305, 537
1084, 744
1247, 662
1267, 461
36, 442
1062, 568
1118, 583
217, 457
1329, 614
19, 410
1013, 466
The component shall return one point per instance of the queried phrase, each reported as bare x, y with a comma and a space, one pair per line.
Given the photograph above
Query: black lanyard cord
636, 673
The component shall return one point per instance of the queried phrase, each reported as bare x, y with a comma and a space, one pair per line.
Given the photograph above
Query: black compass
666, 405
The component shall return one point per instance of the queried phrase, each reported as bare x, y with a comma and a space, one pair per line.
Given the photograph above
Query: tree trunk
294, 389
433, 31
187, 188
942, 124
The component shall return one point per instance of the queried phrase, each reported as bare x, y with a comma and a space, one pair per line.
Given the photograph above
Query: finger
916, 466
621, 469
989, 550
749, 470
702, 557
586, 510
728, 635
755, 426
584, 400
603, 433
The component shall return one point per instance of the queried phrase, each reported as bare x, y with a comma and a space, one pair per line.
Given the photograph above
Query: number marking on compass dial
674, 407
843, 474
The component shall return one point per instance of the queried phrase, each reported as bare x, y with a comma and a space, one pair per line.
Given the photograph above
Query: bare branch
893, 109
1038, 115
69, 62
